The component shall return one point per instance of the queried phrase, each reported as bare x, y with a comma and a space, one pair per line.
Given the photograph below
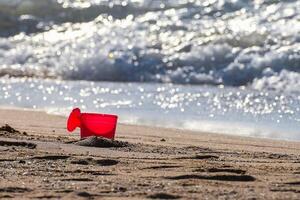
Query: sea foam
235, 43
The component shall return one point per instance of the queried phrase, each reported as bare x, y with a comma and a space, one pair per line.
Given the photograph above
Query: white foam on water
285, 81
187, 42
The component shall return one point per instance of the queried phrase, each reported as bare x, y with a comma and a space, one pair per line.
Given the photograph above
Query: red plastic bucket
92, 124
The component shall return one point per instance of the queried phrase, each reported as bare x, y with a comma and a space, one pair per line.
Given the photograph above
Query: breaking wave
227, 42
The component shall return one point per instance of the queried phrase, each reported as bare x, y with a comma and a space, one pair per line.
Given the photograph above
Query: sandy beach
207, 95
40, 159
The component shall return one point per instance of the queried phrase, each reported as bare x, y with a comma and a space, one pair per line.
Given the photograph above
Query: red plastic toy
92, 124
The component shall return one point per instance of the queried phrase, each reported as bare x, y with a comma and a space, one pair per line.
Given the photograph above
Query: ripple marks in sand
28, 145
14, 189
163, 196
51, 157
241, 178
90, 161
226, 170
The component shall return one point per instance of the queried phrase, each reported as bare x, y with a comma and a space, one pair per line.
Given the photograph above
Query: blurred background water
227, 66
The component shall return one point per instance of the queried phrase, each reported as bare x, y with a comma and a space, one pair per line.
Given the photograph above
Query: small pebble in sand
22, 161
8, 128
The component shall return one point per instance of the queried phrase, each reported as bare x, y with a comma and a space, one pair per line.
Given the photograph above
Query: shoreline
190, 131
159, 163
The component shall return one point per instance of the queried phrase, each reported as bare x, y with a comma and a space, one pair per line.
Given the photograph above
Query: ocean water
227, 66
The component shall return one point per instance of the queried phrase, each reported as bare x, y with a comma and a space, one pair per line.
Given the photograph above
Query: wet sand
39, 159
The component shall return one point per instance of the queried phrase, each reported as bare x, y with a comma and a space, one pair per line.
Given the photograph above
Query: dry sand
39, 159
